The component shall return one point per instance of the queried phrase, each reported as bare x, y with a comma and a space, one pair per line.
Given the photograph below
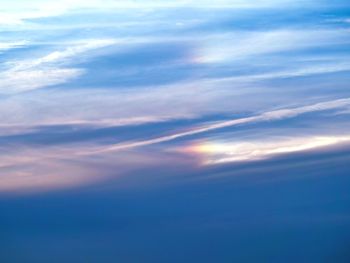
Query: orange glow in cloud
222, 152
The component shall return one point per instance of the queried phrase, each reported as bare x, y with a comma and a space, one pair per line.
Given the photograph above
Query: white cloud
235, 46
290, 73
28, 168
216, 152
63, 55
20, 81
10, 45
15, 129
19, 11
267, 116
25, 75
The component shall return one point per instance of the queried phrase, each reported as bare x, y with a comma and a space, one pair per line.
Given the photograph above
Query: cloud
25, 75
30, 168
10, 45
19, 81
290, 73
36, 127
240, 45
63, 55
267, 116
21, 13
223, 65
137, 4
46, 176
17, 12
217, 153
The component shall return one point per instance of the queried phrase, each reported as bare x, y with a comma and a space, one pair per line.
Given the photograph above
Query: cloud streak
267, 116
46, 71
218, 153
10, 45
235, 47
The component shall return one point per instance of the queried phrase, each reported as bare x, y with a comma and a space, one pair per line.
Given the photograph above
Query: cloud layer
150, 79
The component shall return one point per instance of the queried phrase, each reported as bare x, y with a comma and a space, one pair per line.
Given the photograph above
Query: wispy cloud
219, 64
30, 168
9, 45
290, 73
25, 75
231, 47
19, 81
224, 152
35, 169
36, 127
63, 55
267, 116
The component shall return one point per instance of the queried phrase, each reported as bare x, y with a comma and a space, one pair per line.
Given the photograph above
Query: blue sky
219, 127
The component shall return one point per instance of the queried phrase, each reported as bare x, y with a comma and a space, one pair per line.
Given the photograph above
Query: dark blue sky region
174, 131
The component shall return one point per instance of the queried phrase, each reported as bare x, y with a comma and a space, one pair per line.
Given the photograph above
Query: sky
174, 131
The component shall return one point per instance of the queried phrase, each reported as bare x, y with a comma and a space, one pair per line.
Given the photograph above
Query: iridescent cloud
90, 80
225, 152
